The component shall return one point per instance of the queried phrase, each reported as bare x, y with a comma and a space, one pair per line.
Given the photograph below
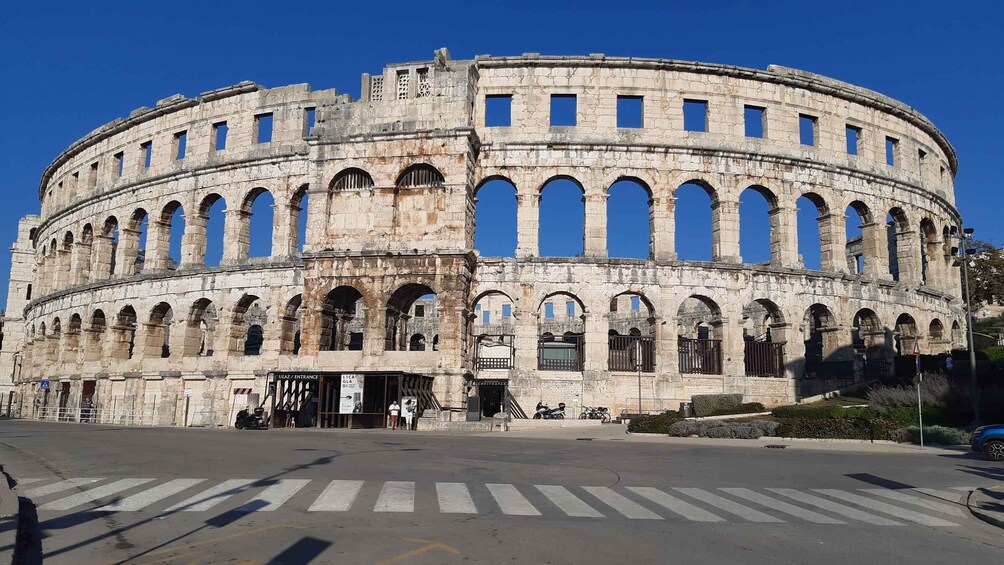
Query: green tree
986, 275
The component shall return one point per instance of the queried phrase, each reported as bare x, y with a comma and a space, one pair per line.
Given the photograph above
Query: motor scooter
546, 413
251, 421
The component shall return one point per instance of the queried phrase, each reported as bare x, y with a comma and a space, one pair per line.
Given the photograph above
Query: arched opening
300, 204
172, 225
84, 249
958, 336
351, 179
247, 315
258, 223
200, 336
813, 235
212, 218
818, 322
416, 343
125, 333
823, 371
94, 340
494, 332
561, 314
65, 260
134, 253
757, 225
699, 331
343, 320
420, 175
291, 317
694, 221
561, 218
57, 327
870, 341
936, 335
631, 333
629, 220
108, 250
158, 342
905, 334
764, 339
858, 217
255, 339
897, 232
411, 310
929, 248
73, 333
495, 217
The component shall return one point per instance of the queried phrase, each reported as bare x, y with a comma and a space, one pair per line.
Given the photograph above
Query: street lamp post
964, 237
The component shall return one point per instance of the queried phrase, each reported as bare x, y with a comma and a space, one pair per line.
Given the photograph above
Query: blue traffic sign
44, 384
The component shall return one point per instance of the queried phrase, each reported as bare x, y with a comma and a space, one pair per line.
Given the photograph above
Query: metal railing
764, 359
565, 353
495, 352
700, 356
629, 352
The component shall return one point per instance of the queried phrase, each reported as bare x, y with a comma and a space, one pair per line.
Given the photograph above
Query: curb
994, 518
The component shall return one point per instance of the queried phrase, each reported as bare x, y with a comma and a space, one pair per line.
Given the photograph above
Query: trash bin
686, 410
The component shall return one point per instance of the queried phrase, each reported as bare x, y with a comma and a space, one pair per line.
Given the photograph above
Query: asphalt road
291, 496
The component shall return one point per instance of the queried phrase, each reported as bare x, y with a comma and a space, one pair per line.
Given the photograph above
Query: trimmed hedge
753, 429
838, 428
935, 434
831, 412
709, 404
747, 408
654, 423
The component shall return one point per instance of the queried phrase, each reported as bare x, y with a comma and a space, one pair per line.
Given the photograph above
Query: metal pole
975, 392
637, 364
920, 409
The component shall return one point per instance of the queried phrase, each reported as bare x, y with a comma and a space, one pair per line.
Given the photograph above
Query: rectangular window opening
563, 110
636, 303
630, 111
220, 130
695, 115
180, 145
403, 84
549, 311
263, 128
498, 110
27, 295
891, 150
147, 149
570, 308
92, 176
419, 310
807, 134
309, 115
853, 139
119, 163
424, 86
506, 310
942, 174
755, 120
921, 158
486, 317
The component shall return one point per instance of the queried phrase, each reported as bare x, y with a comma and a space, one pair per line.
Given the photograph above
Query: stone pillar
525, 340
597, 343
875, 250
595, 230
193, 242
451, 332
908, 256
784, 237
284, 230
127, 252
663, 214
60, 276
528, 225
236, 236
725, 231
81, 263
158, 245
833, 242
317, 217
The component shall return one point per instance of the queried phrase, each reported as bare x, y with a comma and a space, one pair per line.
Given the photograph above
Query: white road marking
510, 501
830, 506
396, 496
93, 494
781, 506
146, 498
28, 481
211, 497
886, 508
947, 496
900, 496
729, 506
338, 496
622, 504
454, 498
685, 509
274, 496
59, 487
568, 502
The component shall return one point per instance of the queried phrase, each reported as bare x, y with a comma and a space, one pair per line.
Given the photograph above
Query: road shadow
303, 551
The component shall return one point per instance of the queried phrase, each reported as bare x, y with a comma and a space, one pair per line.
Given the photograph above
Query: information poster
351, 395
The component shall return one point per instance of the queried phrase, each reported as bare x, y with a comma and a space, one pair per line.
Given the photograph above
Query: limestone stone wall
389, 187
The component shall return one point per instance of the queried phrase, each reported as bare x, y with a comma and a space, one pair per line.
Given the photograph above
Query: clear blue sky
68, 67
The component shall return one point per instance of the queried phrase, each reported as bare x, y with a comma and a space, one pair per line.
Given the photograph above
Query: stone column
528, 225
597, 343
317, 217
725, 231
875, 250
193, 242
833, 242
595, 229
236, 236
663, 214
81, 263
158, 245
127, 252
61, 275
283, 233
908, 256
525, 340
784, 237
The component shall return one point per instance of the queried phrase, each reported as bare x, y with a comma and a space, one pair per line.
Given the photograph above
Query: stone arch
759, 215
404, 317
82, 255
561, 333
493, 328
862, 247
73, 329
936, 329
255, 236
246, 313
200, 331
209, 224
158, 331
630, 215
929, 248
631, 333
957, 333
64, 261
133, 242
352, 178
699, 219
819, 329
699, 324
124, 332
292, 314
105, 258
496, 217
898, 242
98, 322
343, 320
905, 333
765, 336
568, 202
170, 235
298, 209
57, 327
816, 245
870, 339
416, 342
420, 175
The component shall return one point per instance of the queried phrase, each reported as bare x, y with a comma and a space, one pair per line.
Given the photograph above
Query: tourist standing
409, 413
395, 409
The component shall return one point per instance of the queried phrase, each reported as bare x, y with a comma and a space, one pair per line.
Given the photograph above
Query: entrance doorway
493, 397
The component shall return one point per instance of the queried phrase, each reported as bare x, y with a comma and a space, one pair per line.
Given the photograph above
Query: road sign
44, 384
241, 391
188, 393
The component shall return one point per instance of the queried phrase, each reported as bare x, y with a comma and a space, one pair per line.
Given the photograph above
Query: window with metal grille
424, 88
421, 175
352, 179
376, 88
403, 83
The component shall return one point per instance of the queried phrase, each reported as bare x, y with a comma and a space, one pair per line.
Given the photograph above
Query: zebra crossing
873, 506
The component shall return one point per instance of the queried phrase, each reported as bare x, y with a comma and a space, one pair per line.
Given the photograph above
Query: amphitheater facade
388, 290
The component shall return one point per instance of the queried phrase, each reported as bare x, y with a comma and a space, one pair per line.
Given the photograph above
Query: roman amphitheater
114, 314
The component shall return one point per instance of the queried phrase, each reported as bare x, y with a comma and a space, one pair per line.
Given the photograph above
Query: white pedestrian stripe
396, 496
834, 507
58, 487
454, 498
146, 498
274, 496
568, 502
925, 502
781, 506
622, 504
338, 496
28, 481
211, 497
510, 501
886, 508
93, 494
685, 509
728, 505
947, 496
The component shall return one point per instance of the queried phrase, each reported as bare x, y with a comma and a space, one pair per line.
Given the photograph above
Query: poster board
350, 399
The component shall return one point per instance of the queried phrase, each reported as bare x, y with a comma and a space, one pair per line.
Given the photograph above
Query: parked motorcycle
595, 413
251, 421
546, 413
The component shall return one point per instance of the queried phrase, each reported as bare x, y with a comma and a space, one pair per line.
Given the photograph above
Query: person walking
288, 408
394, 409
409, 413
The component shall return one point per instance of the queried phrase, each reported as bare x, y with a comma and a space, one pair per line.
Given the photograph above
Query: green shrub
936, 391
767, 427
735, 431
935, 434
838, 428
653, 423
747, 408
708, 404
684, 428
908, 415
825, 412
721, 429
995, 353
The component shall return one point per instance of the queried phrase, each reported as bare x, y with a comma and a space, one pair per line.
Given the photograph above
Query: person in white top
395, 408
409, 413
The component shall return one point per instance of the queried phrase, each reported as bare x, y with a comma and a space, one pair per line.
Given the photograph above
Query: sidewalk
987, 504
